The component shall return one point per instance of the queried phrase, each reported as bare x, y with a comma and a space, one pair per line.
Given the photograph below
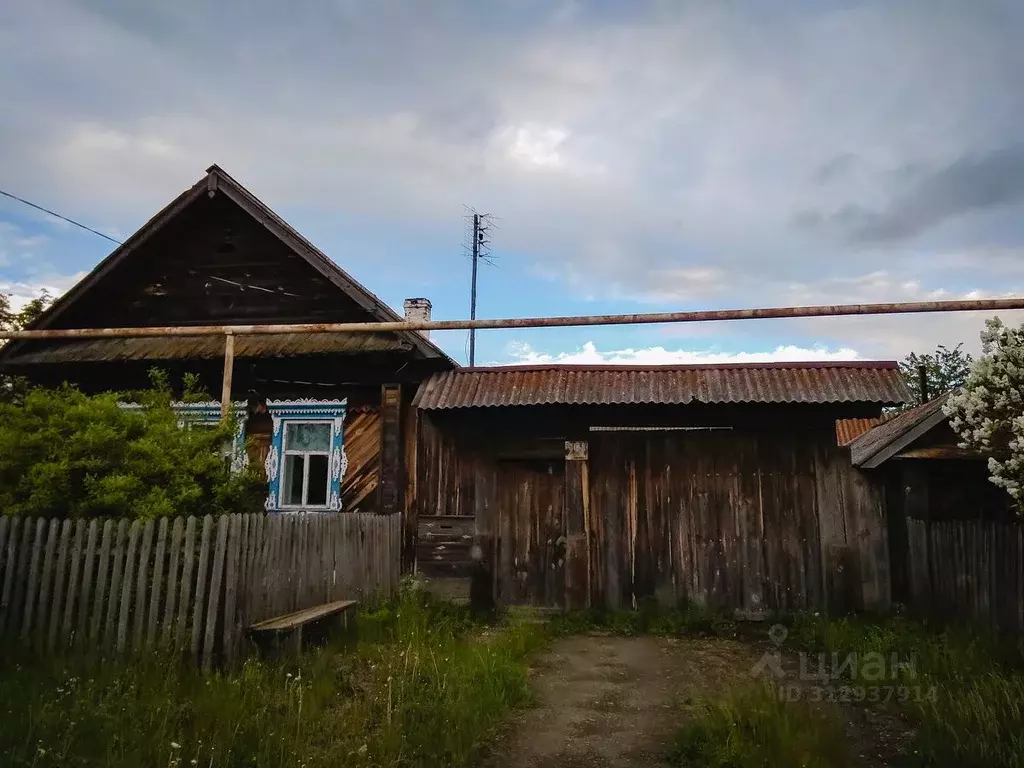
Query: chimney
417, 310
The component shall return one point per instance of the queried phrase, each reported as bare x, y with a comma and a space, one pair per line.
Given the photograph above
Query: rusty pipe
695, 316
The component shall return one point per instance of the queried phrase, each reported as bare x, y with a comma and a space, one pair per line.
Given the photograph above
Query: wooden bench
285, 633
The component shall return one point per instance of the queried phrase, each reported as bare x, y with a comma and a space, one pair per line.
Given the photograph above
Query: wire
63, 218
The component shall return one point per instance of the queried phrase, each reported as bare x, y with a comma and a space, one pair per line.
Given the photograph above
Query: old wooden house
329, 415
589, 485
914, 457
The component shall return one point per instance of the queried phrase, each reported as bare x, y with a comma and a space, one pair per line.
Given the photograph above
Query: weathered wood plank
142, 582
102, 569
156, 592
60, 575
202, 584
214, 601
73, 582
185, 594
114, 602
34, 577
167, 629
128, 586
7, 599
5, 560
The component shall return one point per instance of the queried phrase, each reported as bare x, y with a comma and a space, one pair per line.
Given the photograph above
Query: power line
63, 218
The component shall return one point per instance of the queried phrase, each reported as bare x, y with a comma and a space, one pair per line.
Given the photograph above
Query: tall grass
753, 728
423, 687
976, 715
648, 619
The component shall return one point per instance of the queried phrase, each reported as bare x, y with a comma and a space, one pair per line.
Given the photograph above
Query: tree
988, 411
946, 370
13, 388
67, 454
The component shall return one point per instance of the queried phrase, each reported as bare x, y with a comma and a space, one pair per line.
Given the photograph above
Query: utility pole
482, 223
472, 299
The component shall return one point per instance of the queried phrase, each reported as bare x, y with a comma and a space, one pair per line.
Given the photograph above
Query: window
306, 478
306, 460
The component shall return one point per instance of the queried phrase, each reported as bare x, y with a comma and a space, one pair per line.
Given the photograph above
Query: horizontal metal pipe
697, 316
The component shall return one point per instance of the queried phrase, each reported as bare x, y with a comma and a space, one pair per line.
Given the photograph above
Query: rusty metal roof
178, 347
855, 382
848, 430
877, 445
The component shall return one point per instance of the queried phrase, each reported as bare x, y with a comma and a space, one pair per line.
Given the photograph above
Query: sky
638, 157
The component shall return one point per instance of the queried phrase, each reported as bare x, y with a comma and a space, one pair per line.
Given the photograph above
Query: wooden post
577, 510
229, 367
390, 488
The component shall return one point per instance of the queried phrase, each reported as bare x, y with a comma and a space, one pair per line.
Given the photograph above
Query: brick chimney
417, 310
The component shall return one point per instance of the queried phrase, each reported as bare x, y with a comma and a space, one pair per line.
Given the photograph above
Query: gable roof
821, 383
884, 441
217, 181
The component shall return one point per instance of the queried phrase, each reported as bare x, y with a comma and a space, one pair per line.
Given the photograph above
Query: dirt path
606, 702
616, 702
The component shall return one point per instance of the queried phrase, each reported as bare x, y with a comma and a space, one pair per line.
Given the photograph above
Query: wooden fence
188, 584
968, 569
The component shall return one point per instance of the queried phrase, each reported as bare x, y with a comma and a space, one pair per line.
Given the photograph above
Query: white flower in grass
175, 745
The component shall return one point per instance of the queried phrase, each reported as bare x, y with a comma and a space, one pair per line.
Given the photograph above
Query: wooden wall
757, 521
968, 569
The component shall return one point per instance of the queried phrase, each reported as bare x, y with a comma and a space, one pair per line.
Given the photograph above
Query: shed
610, 485
916, 459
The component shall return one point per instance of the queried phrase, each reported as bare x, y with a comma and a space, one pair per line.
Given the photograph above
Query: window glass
308, 437
316, 494
291, 482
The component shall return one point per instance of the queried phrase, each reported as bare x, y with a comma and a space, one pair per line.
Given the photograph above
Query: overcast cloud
640, 155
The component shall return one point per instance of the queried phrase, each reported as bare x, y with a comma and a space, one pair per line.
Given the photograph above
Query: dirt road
611, 702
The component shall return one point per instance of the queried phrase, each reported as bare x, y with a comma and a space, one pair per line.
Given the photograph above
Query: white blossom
988, 412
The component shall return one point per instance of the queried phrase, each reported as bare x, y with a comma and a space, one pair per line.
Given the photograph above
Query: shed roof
884, 441
854, 382
215, 182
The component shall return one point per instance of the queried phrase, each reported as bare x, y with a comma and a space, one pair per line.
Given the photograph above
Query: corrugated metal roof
870, 449
857, 382
176, 347
848, 430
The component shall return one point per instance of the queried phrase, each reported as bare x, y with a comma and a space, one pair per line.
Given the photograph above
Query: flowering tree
988, 411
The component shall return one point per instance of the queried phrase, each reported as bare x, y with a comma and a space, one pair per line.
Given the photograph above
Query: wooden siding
968, 569
362, 447
756, 521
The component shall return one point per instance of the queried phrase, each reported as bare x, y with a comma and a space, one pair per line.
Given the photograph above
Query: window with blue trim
307, 459
208, 414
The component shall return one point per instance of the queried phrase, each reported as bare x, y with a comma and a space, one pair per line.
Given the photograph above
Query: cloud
22, 293
968, 184
523, 353
689, 155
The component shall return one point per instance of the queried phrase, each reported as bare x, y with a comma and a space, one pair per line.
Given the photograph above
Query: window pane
317, 493
291, 481
308, 437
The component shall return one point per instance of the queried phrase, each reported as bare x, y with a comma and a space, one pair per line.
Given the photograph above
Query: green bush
66, 454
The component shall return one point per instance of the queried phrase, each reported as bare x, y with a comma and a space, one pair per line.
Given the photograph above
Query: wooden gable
216, 255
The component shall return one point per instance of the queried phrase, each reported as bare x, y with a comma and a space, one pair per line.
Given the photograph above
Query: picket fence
968, 569
191, 585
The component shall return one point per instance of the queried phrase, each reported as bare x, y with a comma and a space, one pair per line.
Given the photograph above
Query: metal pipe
697, 316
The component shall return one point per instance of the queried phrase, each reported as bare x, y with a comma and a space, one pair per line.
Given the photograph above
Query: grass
754, 728
975, 715
648, 619
424, 686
